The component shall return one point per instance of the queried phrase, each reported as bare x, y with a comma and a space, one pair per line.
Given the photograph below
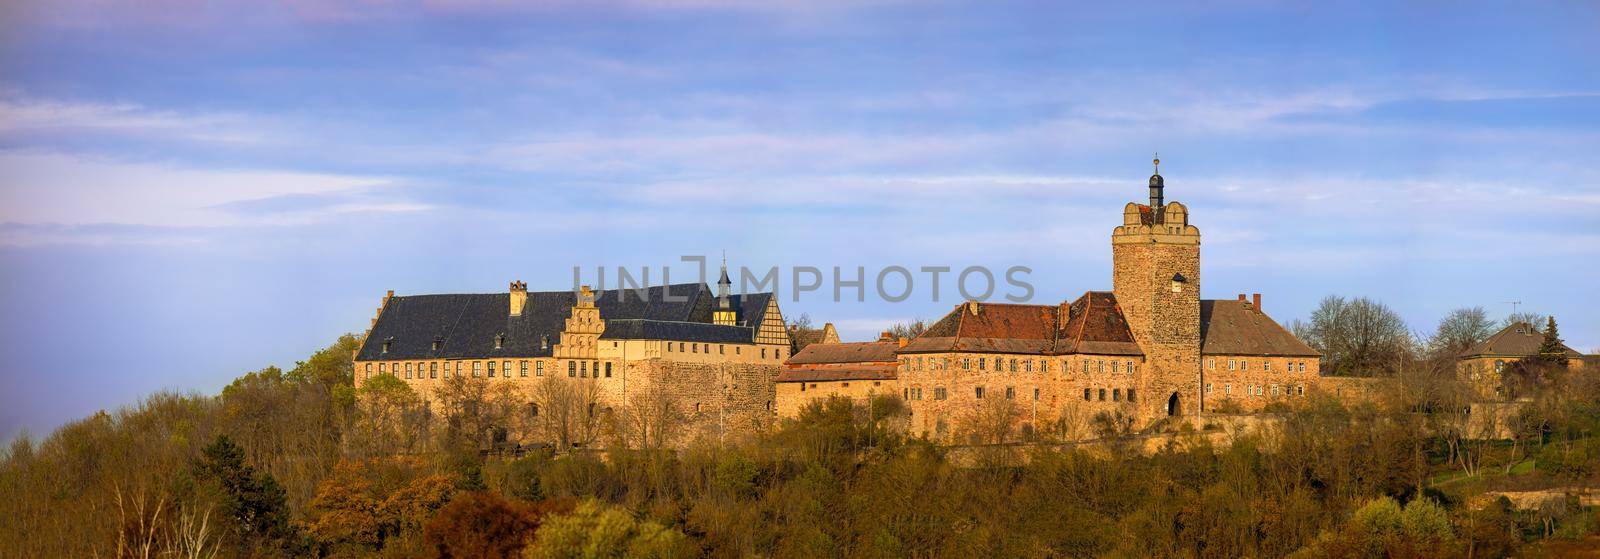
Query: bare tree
1358, 337
567, 410
1459, 330
908, 329
653, 420
476, 411
1534, 319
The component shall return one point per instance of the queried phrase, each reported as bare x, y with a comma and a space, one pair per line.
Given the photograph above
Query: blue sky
191, 190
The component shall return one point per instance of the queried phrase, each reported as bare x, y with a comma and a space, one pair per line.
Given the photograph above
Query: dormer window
438, 343
544, 342
386, 343
499, 341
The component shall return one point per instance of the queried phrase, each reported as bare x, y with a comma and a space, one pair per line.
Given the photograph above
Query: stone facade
719, 370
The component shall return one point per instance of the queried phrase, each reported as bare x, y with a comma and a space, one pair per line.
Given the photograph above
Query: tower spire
723, 283
1157, 184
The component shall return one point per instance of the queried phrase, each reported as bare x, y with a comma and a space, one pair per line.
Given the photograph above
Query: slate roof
467, 324
1229, 327
1091, 324
1516, 340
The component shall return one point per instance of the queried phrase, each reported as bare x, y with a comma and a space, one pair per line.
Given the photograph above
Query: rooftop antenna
1513, 305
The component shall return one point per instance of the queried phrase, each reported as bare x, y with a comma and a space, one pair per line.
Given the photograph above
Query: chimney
519, 297
1242, 299
885, 336
904, 341
1256, 301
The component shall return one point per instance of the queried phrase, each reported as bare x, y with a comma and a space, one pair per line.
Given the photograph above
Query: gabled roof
1229, 327
466, 325
1516, 340
1091, 324
849, 352
1095, 325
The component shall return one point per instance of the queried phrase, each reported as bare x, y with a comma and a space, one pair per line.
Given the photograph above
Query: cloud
75, 190
28, 118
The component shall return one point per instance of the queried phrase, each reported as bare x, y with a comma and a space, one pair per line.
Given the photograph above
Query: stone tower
1156, 277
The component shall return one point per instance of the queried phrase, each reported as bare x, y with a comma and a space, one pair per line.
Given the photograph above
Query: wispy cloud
72, 190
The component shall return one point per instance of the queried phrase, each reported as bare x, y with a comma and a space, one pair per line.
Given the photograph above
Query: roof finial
1158, 162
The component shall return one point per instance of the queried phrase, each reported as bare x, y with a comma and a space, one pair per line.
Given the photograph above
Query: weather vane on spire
1157, 161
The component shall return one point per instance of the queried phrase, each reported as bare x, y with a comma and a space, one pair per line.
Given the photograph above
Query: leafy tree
596, 530
481, 525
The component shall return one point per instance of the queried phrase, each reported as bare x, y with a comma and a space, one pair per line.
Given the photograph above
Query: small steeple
723, 284
1157, 184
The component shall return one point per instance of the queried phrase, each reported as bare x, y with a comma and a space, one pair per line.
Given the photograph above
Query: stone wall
794, 396
1248, 383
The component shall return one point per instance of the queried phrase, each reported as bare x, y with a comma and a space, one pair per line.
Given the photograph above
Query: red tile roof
1092, 324
852, 352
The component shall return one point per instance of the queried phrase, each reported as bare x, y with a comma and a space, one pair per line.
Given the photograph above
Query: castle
716, 356
1145, 351
1148, 349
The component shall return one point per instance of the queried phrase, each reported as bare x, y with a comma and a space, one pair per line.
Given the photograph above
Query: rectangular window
608, 369
763, 353
1301, 390
721, 350
1086, 395
978, 392
1116, 394
965, 364
538, 368
694, 348
939, 393
1266, 366
458, 369
983, 364
1099, 366
491, 369
1102, 394
1211, 362
1232, 364
1227, 389
1130, 394
1013, 365
1085, 365
522, 368
1011, 393
1035, 394
477, 369
572, 369
369, 369
433, 370
583, 370
383, 368
408, 371
1244, 365
1208, 388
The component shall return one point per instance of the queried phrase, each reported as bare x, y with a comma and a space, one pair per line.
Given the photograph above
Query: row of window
841, 385
1001, 364
939, 393
722, 349
1244, 365
1092, 394
1257, 390
433, 370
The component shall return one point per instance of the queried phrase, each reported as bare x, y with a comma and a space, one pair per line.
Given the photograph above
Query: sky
193, 190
